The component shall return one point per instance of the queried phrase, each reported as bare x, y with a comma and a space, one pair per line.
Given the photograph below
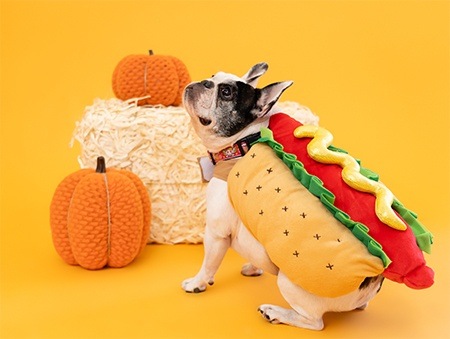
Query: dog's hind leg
279, 315
306, 310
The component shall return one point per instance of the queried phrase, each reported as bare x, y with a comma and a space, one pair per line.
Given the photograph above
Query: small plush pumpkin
100, 217
160, 77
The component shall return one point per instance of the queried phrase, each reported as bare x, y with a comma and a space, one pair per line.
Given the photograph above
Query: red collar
238, 149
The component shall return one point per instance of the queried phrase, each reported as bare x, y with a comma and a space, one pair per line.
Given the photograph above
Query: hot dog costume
321, 217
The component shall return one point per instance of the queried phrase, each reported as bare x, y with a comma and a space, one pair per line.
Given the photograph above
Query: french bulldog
226, 109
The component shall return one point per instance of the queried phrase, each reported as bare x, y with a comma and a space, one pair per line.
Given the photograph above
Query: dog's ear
252, 76
269, 95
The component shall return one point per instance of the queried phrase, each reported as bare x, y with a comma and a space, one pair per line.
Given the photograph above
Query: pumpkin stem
101, 165
150, 52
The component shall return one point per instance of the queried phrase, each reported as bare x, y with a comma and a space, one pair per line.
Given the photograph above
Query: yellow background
376, 72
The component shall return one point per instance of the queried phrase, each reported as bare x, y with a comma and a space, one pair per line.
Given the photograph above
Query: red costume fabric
408, 263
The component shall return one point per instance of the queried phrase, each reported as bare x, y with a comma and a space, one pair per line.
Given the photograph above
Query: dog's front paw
249, 270
195, 285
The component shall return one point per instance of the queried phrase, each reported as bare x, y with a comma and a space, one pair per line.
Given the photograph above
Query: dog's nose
207, 83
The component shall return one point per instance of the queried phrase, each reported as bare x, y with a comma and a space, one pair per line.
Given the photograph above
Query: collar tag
206, 168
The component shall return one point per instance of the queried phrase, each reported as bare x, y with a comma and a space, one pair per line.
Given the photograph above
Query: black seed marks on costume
261, 212
259, 187
303, 215
338, 240
286, 232
278, 190
285, 208
245, 192
269, 170
253, 155
329, 266
238, 174
296, 253
317, 236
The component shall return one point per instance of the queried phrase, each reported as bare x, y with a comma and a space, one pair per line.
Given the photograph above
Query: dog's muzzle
192, 95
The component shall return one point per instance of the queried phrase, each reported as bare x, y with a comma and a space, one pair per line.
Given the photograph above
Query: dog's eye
204, 121
226, 92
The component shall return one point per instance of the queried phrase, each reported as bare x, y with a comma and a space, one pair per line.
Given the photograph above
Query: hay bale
158, 144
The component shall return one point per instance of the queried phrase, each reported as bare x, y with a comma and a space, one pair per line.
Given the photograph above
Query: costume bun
300, 235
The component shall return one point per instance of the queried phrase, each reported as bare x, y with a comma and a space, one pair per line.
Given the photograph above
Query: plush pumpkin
160, 77
100, 217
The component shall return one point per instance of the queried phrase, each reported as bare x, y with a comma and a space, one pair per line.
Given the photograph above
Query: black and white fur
224, 109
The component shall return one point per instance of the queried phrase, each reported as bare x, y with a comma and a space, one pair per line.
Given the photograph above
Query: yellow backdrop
376, 72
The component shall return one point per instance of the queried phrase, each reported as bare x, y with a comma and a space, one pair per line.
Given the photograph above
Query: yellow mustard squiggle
318, 150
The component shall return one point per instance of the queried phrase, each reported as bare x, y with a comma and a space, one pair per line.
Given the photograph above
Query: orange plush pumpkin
100, 217
160, 77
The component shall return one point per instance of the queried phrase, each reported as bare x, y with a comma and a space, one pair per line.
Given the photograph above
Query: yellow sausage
318, 150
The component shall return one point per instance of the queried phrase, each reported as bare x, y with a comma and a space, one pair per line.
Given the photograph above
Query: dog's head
223, 107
